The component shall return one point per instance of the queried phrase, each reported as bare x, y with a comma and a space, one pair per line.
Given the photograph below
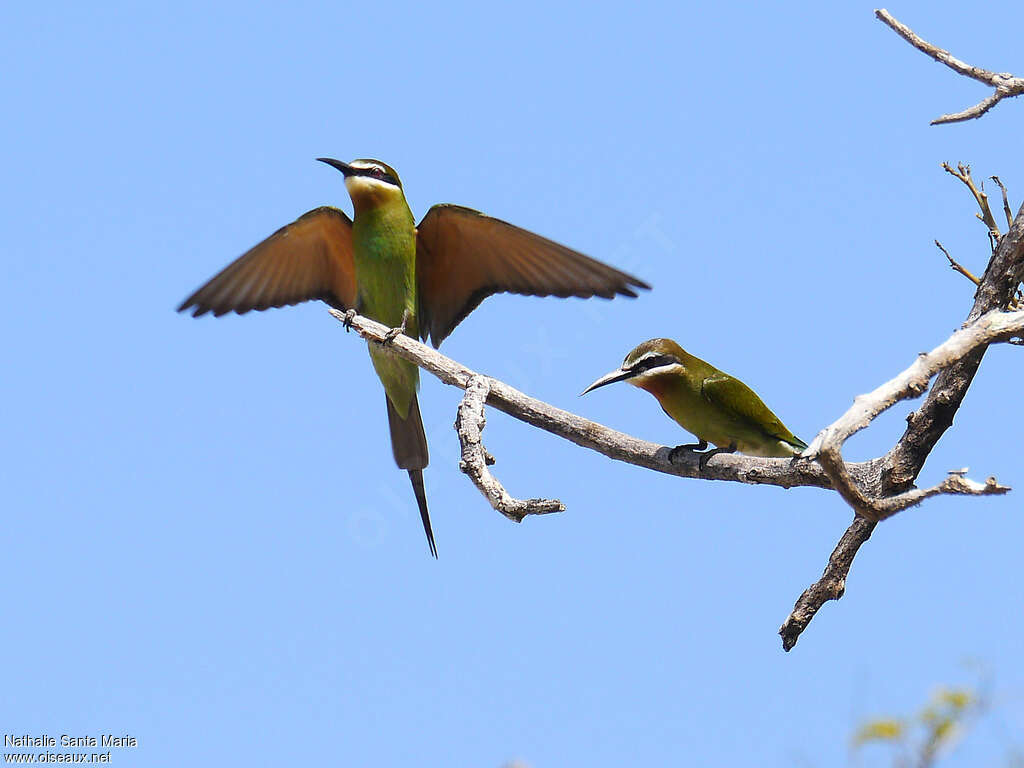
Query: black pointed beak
345, 168
609, 378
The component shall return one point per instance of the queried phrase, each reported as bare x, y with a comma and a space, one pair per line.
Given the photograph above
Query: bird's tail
409, 446
799, 445
416, 478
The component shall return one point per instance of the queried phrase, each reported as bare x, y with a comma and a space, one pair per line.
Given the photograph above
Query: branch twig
469, 423
1006, 201
1005, 84
963, 172
957, 266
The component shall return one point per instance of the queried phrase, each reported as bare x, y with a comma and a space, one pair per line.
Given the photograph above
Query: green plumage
384, 256
425, 279
384, 249
713, 405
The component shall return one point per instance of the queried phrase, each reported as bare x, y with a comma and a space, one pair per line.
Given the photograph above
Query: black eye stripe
654, 362
378, 173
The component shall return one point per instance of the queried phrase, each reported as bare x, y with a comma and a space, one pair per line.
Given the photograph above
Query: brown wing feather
311, 258
463, 256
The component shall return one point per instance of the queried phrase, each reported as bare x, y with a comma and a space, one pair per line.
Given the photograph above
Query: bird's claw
346, 322
673, 453
394, 333
706, 456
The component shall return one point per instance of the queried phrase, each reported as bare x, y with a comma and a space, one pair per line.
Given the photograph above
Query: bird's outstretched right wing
311, 258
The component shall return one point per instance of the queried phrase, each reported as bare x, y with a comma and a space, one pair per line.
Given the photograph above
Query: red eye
378, 172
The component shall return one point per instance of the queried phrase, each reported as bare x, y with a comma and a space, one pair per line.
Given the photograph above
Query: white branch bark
1005, 84
827, 446
469, 423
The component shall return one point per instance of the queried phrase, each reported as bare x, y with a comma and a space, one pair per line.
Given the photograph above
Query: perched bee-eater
711, 404
419, 280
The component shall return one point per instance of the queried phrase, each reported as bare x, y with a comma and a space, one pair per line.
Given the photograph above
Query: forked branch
469, 423
900, 467
1005, 84
827, 446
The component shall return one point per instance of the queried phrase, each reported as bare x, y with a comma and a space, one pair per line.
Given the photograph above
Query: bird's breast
384, 251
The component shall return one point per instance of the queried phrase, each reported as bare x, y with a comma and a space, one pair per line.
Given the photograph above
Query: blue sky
207, 544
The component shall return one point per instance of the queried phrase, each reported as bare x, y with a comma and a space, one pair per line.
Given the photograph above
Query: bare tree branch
827, 446
785, 473
469, 423
1005, 84
926, 425
899, 468
831, 585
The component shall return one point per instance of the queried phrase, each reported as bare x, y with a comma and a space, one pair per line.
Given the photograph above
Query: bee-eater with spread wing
423, 280
710, 403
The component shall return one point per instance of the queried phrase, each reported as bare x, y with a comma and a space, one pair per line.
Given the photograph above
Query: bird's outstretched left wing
463, 256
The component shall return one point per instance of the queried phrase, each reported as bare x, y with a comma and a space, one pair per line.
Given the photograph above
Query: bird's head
370, 183
646, 364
